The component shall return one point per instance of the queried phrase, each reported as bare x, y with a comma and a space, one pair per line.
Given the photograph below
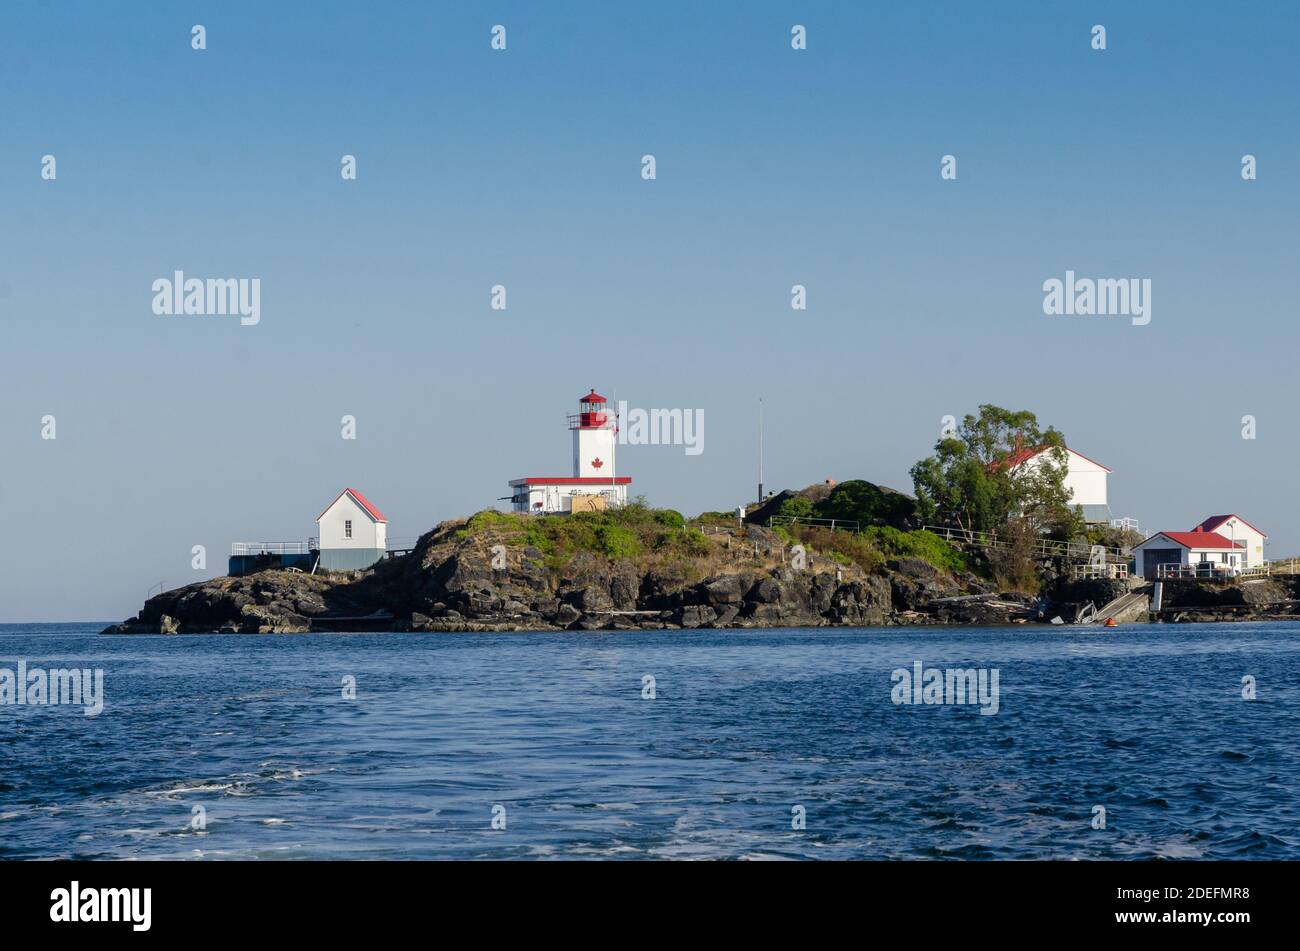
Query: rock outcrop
461, 580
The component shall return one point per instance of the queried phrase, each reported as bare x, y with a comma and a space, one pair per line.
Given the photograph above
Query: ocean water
746, 731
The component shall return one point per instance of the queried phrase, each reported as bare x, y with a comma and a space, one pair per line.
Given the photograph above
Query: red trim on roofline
361, 500
1021, 456
1218, 520
1093, 461
572, 480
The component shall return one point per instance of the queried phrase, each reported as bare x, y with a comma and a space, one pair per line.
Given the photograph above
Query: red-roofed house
1085, 479
353, 532
1237, 529
1188, 550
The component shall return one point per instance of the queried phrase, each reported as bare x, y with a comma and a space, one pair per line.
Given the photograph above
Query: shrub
866, 503
841, 546
796, 507
669, 518
926, 546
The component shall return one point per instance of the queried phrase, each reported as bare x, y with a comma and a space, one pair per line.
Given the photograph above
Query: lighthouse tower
594, 485
593, 438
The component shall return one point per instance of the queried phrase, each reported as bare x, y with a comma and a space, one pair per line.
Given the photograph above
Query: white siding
1085, 479
1238, 531
366, 532
557, 498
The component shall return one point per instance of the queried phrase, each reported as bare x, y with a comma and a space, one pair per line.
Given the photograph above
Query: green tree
867, 503
977, 478
797, 506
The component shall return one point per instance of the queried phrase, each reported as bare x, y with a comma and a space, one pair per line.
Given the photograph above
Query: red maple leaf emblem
596, 463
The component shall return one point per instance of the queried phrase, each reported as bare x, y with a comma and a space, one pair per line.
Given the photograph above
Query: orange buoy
1110, 622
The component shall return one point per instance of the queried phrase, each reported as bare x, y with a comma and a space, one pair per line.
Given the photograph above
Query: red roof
1214, 521
593, 397
1200, 540
572, 480
1021, 456
361, 500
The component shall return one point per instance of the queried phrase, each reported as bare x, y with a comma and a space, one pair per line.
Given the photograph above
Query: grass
637, 532
875, 545
629, 533
924, 545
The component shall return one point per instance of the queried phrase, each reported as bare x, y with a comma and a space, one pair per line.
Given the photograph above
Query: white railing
1114, 571
271, 548
1203, 570
1289, 566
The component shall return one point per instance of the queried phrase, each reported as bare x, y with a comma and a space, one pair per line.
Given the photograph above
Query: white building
1236, 529
352, 532
593, 485
1084, 479
1186, 550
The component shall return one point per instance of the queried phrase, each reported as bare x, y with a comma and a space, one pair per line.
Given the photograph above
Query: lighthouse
593, 437
594, 485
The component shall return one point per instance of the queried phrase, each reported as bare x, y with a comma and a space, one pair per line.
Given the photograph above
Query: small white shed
352, 532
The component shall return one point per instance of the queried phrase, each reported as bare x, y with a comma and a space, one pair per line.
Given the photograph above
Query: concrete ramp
1125, 609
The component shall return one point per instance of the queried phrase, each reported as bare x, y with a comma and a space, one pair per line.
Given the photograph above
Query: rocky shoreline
449, 583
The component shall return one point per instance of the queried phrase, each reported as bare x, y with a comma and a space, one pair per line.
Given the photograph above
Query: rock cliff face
449, 583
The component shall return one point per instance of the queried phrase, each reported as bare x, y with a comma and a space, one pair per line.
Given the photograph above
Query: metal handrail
846, 524
1206, 570
1113, 571
1042, 546
270, 548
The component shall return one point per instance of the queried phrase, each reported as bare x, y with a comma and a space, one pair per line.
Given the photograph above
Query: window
347, 529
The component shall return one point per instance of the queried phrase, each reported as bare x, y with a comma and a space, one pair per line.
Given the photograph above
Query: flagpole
613, 456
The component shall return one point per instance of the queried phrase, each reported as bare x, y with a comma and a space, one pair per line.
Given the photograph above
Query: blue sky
521, 167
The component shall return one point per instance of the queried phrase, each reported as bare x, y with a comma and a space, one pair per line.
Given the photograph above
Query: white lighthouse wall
590, 445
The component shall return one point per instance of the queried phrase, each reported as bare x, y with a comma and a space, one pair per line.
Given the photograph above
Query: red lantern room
591, 412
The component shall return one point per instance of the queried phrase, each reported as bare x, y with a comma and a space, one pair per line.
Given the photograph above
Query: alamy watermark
75, 904
1104, 297
954, 686
179, 296
661, 427
59, 686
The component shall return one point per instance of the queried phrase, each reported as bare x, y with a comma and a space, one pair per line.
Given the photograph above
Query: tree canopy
977, 478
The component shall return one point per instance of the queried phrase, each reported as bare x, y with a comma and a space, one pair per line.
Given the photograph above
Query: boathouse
1191, 554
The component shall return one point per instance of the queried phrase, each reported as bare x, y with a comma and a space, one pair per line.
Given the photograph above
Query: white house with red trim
352, 532
1241, 533
1224, 543
594, 483
1085, 479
